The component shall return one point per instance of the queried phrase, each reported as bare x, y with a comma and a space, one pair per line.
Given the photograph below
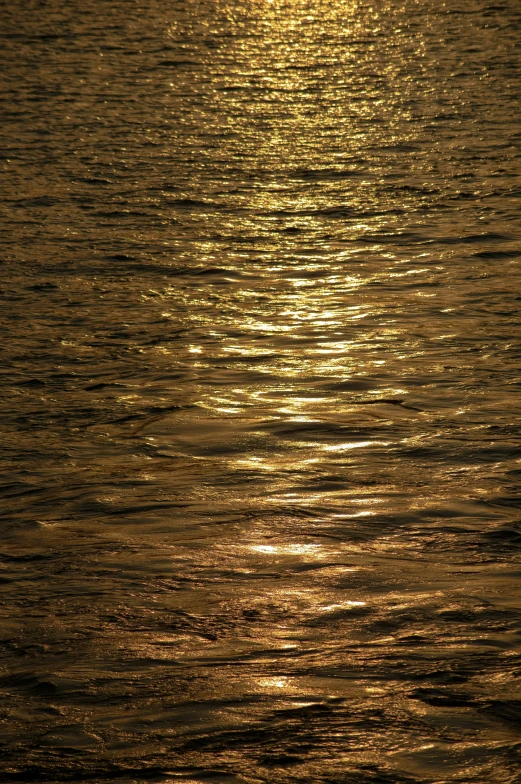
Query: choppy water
261, 391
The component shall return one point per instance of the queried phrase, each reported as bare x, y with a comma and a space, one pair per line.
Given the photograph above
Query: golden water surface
260, 391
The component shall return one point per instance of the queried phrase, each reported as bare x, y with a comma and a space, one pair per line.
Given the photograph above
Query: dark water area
260, 391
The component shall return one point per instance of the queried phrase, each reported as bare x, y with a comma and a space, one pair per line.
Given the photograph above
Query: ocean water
260, 391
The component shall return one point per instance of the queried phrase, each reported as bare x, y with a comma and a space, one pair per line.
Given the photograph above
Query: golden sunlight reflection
342, 606
260, 489
353, 445
275, 683
288, 549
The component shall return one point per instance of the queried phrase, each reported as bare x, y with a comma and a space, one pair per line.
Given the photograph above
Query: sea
260, 391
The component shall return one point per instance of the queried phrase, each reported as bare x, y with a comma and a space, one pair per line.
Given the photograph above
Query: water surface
261, 392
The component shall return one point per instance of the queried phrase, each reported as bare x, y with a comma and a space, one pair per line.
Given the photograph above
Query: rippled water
261, 391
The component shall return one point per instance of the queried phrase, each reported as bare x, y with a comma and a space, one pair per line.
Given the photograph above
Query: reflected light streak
353, 445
